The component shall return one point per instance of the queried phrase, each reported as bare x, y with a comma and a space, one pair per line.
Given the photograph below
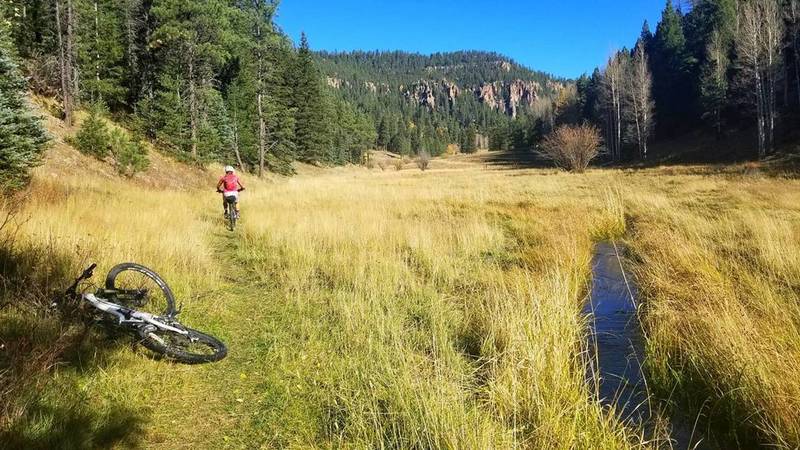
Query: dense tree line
466, 68
384, 85
722, 65
206, 79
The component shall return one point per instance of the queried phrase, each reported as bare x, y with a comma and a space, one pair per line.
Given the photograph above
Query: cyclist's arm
241, 186
219, 183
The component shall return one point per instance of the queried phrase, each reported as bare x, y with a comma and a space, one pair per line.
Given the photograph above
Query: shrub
399, 163
93, 137
572, 147
130, 156
423, 160
382, 164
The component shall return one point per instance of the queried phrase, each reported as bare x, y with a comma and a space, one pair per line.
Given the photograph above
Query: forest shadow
514, 160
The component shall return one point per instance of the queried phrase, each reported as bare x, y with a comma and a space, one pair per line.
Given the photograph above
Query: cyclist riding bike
229, 186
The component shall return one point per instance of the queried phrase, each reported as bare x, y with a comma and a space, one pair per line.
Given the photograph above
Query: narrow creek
617, 348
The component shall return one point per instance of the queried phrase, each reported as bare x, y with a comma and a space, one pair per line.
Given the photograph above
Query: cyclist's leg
224, 206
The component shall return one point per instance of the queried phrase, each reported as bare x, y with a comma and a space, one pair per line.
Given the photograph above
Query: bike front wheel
192, 348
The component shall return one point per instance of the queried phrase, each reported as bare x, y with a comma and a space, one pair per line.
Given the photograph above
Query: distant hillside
445, 97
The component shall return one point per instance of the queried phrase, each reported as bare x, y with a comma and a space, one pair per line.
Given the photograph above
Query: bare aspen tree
773, 42
613, 85
758, 45
639, 98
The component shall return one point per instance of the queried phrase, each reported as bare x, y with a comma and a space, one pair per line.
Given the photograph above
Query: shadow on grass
513, 160
67, 427
45, 355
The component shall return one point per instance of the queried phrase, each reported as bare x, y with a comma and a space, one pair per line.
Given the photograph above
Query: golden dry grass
374, 309
720, 267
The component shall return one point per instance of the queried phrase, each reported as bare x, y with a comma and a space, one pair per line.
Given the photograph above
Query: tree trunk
619, 127
639, 137
236, 141
192, 106
262, 136
770, 100
645, 125
760, 117
262, 125
65, 83
797, 72
71, 66
96, 46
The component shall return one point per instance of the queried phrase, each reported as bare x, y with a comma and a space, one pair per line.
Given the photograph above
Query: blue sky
566, 37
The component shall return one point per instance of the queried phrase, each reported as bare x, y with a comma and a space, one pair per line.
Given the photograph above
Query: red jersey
230, 182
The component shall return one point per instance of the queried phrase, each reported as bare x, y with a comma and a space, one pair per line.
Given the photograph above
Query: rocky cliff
443, 88
508, 97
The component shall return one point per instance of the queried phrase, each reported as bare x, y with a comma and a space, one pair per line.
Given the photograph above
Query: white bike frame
136, 317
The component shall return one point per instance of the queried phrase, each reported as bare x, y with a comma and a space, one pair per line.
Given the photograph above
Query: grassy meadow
402, 309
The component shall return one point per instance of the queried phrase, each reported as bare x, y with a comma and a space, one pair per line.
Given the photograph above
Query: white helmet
229, 169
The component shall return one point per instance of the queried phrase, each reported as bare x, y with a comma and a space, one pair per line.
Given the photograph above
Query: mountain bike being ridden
229, 186
138, 299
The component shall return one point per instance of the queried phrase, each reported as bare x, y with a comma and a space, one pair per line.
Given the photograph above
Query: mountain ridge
453, 96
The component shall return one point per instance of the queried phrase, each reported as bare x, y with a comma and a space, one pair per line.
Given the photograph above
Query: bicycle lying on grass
139, 300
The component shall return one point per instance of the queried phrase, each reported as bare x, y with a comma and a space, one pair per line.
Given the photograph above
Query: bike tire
159, 341
169, 297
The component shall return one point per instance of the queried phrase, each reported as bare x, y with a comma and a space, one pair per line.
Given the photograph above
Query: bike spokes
139, 291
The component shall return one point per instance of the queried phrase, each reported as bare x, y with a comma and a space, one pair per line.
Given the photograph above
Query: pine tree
383, 134
191, 46
100, 52
93, 137
22, 138
469, 141
672, 65
311, 126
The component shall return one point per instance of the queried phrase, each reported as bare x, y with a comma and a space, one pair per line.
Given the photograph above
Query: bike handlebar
73, 290
89, 271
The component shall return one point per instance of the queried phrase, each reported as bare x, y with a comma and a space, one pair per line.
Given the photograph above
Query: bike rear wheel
233, 215
137, 287
194, 348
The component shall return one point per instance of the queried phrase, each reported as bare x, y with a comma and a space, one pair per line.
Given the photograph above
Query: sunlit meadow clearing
402, 309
